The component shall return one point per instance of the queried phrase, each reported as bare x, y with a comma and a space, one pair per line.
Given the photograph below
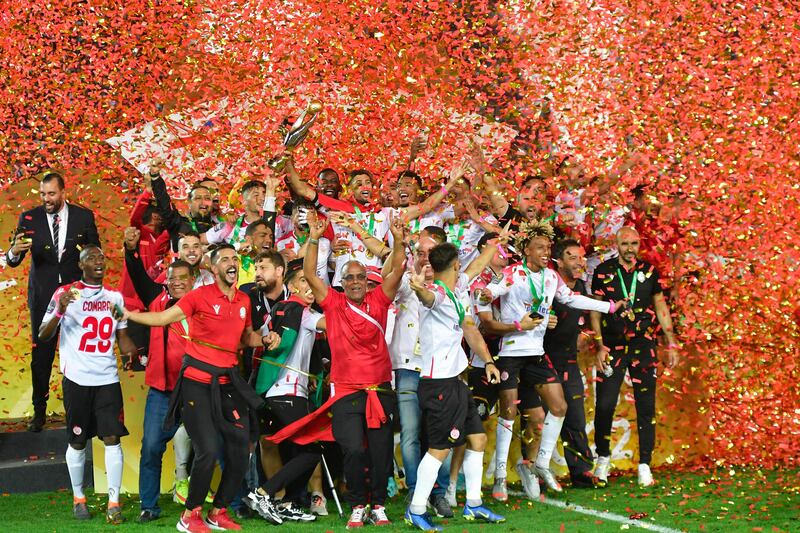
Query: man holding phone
54, 233
527, 289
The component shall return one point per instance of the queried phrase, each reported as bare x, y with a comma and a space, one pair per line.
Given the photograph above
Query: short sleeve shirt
88, 333
441, 334
217, 321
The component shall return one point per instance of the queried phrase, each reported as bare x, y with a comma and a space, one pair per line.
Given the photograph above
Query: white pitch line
601, 514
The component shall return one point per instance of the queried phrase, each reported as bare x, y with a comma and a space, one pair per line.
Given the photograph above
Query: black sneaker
244, 512
586, 480
441, 507
37, 421
147, 515
80, 511
287, 511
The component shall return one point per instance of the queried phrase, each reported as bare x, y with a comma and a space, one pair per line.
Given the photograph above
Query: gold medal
76, 294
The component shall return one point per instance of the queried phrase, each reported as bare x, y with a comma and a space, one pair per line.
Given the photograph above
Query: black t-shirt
561, 342
606, 284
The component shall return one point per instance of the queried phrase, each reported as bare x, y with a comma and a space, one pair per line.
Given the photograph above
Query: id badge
543, 310
417, 349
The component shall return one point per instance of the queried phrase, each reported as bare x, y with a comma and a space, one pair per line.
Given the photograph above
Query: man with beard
529, 289
628, 343
199, 218
283, 379
214, 399
258, 239
293, 245
92, 393
253, 195
54, 234
190, 249
165, 356
561, 345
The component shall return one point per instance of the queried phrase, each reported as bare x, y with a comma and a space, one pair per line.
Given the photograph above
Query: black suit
46, 275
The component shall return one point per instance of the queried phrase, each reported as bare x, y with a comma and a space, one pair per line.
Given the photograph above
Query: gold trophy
294, 136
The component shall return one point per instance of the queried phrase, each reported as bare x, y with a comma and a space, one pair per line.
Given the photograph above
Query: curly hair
530, 229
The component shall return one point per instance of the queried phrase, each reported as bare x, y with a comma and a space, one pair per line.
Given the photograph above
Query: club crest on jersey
454, 434
77, 430
216, 308
241, 313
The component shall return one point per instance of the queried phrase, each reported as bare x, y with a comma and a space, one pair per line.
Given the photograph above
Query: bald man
627, 343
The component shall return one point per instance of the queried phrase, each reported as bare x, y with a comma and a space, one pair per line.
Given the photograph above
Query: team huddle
288, 343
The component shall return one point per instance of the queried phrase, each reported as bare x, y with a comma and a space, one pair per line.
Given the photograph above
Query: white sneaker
319, 505
357, 517
530, 483
500, 490
547, 476
602, 468
645, 476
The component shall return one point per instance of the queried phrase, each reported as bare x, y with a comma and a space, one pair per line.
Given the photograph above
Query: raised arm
417, 284
393, 278
492, 247
430, 203
297, 184
147, 289
490, 184
316, 228
376, 246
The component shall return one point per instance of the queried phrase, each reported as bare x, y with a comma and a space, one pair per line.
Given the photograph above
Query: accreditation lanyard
625, 290
236, 229
361, 218
194, 225
459, 306
452, 236
536, 297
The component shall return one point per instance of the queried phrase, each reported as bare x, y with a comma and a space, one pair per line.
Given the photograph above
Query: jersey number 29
101, 330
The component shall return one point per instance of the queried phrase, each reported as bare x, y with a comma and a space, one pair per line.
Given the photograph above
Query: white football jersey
88, 334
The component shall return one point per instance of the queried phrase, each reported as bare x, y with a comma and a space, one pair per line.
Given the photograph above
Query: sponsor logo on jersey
216, 308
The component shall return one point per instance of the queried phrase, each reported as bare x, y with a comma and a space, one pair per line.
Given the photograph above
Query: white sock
76, 459
473, 470
550, 432
182, 445
114, 472
505, 430
427, 473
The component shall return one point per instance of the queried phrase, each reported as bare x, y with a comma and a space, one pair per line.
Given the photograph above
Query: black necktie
56, 224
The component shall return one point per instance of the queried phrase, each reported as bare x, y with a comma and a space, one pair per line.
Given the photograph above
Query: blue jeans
154, 444
406, 383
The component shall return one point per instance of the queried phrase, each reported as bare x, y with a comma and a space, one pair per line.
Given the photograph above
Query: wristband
598, 337
313, 241
58, 313
611, 306
518, 325
492, 363
672, 346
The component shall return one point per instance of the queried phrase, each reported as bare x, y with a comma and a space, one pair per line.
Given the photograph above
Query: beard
268, 285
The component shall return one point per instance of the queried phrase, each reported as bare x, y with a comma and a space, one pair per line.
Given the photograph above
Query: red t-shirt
359, 355
214, 320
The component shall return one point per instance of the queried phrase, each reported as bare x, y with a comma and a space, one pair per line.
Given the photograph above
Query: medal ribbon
459, 306
633, 286
536, 297
453, 237
236, 229
361, 218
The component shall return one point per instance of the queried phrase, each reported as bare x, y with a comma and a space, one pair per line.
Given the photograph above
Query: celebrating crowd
289, 342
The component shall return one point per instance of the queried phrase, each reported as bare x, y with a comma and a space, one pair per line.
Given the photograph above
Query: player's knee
111, 441
559, 409
77, 445
477, 442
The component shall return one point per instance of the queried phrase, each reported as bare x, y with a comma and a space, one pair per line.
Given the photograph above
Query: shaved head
626, 231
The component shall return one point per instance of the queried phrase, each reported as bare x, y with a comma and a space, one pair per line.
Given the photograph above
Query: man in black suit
54, 233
